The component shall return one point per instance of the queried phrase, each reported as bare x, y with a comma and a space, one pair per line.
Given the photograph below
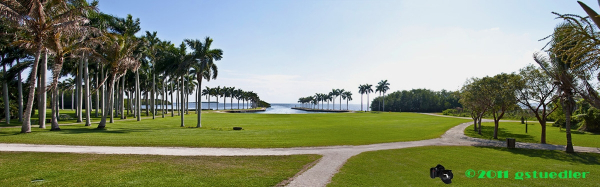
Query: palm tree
329, 97
202, 60
339, 93
361, 90
238, 96
206, 92
118, 55
382, 87
218, 92
561, 69
41, 19
348, 96
231, 92
368, 90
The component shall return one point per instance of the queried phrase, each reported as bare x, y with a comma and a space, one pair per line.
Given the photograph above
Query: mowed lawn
410, 167
68, 169
260, 130
516, 130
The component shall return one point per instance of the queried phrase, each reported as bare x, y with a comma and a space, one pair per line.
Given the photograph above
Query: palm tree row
103, 59
382, 87
245, 96
322, 98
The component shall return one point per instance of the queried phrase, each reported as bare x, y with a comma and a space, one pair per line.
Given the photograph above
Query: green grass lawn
410, 167
67, 169
260, 130
516, 130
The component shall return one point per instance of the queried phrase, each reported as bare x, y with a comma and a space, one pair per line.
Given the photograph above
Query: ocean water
276, 108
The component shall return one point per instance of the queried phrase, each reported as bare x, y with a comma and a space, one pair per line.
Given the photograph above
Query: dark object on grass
237, 128
442, 173
510, 142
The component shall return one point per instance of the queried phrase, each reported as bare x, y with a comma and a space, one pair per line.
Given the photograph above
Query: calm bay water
276, 108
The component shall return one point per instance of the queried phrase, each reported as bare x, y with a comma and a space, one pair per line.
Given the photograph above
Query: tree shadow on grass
577, 158
488, 133
94, 130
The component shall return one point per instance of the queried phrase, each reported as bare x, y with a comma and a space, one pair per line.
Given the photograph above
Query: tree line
314, 100
417, 100
567, 68
104, 57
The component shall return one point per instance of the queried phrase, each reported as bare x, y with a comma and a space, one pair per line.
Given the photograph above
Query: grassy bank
260, 130
554, 135
66, 169
410, 167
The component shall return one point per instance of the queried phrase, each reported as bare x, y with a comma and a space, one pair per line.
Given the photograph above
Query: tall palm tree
383, 86
340, 92
562, 70
206, 92
218, 93
347, 95
238, 96
368, 90
202, 59
361, 90
231, 92
118, 55
329, 97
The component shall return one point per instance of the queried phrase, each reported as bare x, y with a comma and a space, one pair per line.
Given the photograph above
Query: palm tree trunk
361, 96
80, 93
199, 102
181, 112
568, 108
152, 107
163, 103
42, 91
172, 102
177, 87
26, 127
102, 92
138, 95
54, 113
368, 102
72, 99
63, 100
87, 94
122, 99
146, 98
110, 85
383, 101
112, 100
97, 91
6, 101
20, 97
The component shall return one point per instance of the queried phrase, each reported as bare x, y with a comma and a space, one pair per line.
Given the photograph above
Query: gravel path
334, 157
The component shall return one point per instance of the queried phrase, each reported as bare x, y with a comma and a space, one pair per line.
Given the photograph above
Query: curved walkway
334, 157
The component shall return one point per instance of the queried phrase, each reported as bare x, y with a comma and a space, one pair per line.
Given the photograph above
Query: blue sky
284, 50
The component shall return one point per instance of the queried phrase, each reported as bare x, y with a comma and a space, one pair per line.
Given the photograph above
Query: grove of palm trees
197, 93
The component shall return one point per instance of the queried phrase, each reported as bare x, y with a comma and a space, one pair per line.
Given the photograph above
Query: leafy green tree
536, 91
501, 89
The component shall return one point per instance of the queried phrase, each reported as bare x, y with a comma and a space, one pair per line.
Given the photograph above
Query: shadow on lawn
488, 133
578, 158
94, 130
